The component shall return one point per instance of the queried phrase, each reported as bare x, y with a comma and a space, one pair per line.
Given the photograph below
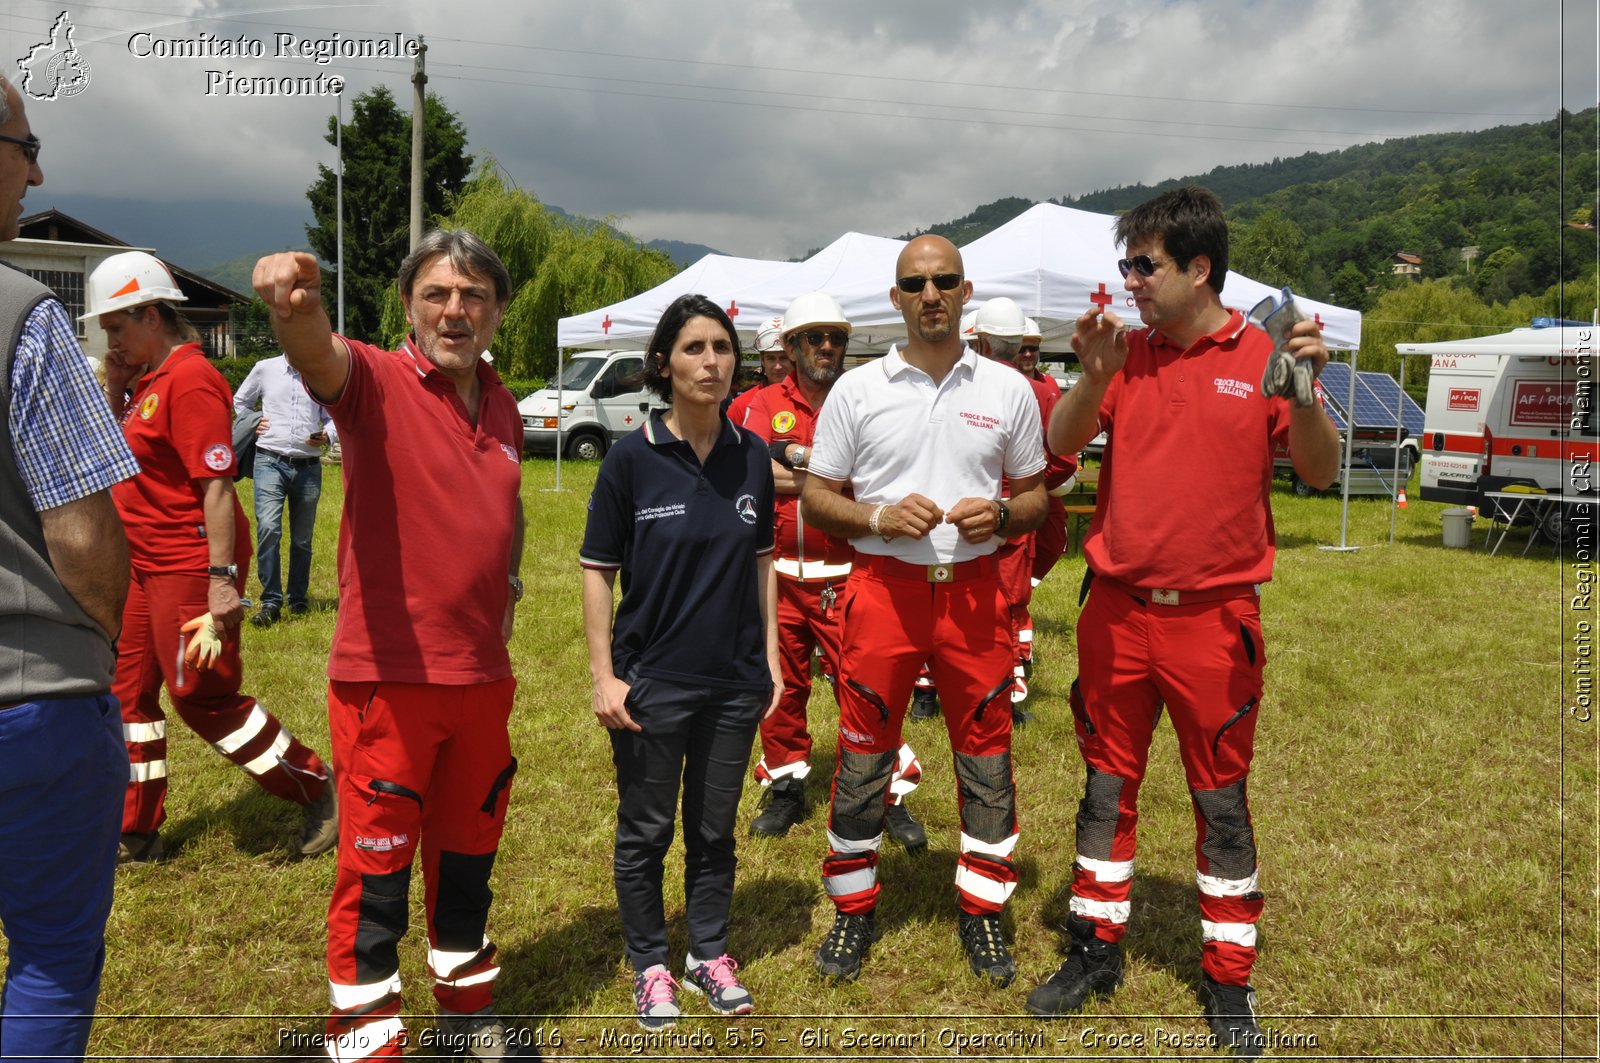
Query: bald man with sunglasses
923, 437
1171, 613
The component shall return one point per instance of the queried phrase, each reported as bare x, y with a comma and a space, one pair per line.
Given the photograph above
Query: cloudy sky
765, 128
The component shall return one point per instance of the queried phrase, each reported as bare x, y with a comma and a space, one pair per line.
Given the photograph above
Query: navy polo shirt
686, 538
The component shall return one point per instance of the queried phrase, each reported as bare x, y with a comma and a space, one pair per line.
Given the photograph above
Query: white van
599, 401
1513, 410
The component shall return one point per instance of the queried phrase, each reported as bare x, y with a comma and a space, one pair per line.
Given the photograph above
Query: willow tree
559, 266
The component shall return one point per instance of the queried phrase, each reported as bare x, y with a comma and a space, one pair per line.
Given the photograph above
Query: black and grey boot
1092, 968
1231, 1011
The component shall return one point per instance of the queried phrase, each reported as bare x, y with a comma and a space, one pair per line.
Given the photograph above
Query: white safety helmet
811, 309
1031, 330
1000, 317
770, 338
967, 321
129, 279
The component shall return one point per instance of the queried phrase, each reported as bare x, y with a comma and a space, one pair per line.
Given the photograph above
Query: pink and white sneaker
715, 979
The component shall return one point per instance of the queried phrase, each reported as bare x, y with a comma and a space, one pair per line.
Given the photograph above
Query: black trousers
702, 737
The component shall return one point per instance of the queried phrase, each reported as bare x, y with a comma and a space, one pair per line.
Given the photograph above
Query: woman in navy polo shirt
685, 672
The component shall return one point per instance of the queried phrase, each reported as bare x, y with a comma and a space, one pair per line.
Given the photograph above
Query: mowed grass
1425, 813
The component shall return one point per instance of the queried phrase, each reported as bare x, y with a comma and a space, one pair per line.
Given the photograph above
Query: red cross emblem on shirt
1101, 298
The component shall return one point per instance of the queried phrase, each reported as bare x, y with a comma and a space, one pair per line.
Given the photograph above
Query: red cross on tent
733, 308
1318, 319
605, 326
1101, 298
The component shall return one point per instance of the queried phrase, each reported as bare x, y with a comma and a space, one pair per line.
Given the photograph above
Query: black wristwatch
1003, 518
230, 571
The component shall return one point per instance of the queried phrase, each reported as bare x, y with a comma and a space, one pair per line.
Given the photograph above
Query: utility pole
419, 82
338, 201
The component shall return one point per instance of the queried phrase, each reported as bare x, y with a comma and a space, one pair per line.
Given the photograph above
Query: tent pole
1349, 456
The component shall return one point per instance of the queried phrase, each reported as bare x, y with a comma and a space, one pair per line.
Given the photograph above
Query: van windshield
579, 372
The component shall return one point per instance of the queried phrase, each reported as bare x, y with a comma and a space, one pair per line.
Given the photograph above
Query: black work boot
987, 954
1231, 1011
846, 945
924, 704
482, 1035
784, 805
1092, 968
903, 828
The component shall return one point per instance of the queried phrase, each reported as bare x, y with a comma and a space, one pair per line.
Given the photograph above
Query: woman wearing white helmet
189, 545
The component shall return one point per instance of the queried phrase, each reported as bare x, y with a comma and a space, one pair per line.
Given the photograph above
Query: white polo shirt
888, 430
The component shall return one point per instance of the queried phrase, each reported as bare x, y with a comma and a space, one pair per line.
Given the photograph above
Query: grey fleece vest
49, 648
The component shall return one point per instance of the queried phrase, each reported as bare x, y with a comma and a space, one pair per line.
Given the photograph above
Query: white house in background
60, 252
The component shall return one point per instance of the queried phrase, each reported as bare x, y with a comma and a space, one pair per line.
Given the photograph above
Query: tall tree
559, 266
1270, 249
377, 213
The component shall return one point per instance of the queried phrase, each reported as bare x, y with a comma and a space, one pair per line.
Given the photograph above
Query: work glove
205, 645
1285, 374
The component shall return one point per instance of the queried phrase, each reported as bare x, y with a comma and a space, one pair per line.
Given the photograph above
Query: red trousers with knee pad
1203, 660
421, 768
894, 620
150, 653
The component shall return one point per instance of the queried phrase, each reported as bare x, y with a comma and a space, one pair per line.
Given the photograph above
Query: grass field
1424, 805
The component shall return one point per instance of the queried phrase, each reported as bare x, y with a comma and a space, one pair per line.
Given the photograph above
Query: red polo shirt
1186, 482
429, 516
179, 424
780, 411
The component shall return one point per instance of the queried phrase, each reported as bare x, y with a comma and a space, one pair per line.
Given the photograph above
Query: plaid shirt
67, 444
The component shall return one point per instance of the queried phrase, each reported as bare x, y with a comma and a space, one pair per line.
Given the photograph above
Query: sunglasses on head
30, 147
943, 281
815, 337
1143, 265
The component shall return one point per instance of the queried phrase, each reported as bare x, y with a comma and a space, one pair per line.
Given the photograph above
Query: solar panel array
1376, 396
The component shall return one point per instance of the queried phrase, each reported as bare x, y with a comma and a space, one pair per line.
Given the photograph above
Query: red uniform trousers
1203, 660
416, 764
150, 652
804, 624
1016, 583
1050, 539
894, 620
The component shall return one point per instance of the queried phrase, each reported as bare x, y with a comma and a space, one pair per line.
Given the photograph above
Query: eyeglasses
815, 337
30, 147
1143, 265
942, 281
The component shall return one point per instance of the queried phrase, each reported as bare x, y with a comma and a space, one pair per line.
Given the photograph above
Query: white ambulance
1509, 411
598, 401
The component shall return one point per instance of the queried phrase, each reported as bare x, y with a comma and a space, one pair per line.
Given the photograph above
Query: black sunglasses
1034, 347
943, 281
1143, 265
834, 336
30, 147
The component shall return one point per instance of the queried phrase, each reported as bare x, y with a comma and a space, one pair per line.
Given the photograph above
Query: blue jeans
278, 481
63, 770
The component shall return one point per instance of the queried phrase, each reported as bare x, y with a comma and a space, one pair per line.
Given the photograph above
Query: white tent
1057, 262
630, 322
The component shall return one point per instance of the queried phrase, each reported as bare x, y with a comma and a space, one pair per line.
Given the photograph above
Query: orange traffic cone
1400, 502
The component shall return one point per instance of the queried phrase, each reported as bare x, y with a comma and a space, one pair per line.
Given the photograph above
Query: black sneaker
903, 828
846, 945
986, 948
1092, 968
783, 805
266, 616
140, 848
1020, 717
924, 704
320, 831
299, 609
1231, 1011
480, 1035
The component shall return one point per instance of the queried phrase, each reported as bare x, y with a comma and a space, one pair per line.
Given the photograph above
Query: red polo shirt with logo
780, 411
430, 511
1186, 481
179, 424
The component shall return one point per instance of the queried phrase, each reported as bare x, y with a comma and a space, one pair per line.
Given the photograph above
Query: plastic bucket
1457, 527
